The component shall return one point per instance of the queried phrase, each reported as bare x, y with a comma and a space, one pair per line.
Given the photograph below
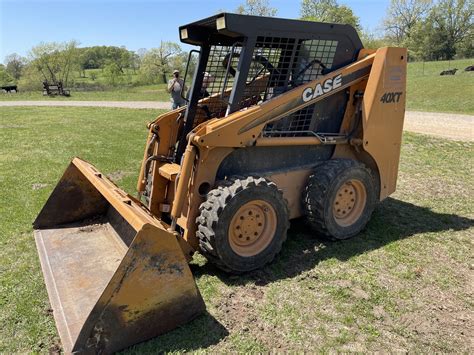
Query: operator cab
246, 60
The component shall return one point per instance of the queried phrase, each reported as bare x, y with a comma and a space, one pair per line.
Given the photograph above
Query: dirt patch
432, 318
55, 348
239, 313
118, 175
238, 307
435, 323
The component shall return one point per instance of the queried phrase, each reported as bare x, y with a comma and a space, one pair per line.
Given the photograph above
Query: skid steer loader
284, 119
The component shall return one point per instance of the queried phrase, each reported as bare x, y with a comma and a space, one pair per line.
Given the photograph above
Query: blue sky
134, 24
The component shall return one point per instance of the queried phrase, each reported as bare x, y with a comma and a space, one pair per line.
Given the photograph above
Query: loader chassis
285, 119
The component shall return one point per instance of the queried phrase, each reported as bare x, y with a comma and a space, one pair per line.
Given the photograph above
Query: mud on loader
285, 119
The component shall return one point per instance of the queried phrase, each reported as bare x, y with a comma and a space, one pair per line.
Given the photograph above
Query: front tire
339, 198
242, 224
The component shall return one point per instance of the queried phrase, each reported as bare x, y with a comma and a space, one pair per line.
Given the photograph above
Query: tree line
430, 29
100, 65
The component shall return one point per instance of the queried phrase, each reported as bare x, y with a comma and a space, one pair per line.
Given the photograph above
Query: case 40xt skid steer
285, 119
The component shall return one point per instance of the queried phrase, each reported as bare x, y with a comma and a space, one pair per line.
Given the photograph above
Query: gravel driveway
445, 125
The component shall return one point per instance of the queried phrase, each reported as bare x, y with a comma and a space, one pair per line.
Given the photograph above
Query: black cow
10, 88
449, 72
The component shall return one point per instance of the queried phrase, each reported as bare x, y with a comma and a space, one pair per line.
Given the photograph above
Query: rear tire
242, 224
339, 198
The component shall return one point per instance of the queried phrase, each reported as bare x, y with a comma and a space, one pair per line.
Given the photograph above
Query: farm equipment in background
285, 119
55, 89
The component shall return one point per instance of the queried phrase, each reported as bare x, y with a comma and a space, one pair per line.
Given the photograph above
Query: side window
314, 57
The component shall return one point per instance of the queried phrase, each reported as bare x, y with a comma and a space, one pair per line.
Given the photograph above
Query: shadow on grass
201, 333
392, 220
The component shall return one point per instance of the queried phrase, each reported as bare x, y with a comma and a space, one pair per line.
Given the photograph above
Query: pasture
429, 91
404, 284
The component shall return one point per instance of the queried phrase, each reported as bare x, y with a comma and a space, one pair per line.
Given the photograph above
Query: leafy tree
31, 78
447, 31
5, 78
156, 62
54, 61
427, 42
372, 41
113, 73
135, 61
402, 16
328, 11
465, 49
98, 57
14, 65
257, 8
455, 19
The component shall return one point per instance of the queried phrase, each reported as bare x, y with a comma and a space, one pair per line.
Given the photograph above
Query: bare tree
403, 15
257, 8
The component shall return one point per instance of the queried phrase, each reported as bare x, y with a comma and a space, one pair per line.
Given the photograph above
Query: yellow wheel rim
252, 228
349, 203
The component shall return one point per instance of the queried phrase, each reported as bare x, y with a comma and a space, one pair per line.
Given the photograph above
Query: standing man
174, 88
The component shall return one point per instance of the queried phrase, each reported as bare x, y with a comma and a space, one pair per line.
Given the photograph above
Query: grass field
133, 93
429, 91
404, 284
426, 90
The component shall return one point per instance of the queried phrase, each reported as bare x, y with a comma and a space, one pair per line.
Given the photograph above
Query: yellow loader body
285, 119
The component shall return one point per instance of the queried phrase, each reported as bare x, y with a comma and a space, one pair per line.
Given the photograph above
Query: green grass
135, 93
429, 91
426, 89
404, 284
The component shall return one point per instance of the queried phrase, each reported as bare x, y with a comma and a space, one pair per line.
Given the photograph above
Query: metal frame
283, 43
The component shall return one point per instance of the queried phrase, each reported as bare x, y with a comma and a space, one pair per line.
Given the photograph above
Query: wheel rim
252, 228
349, 203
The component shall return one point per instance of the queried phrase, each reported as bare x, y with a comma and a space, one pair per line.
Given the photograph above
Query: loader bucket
115, 275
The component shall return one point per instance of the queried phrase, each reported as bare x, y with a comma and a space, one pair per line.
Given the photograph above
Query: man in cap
174, 88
